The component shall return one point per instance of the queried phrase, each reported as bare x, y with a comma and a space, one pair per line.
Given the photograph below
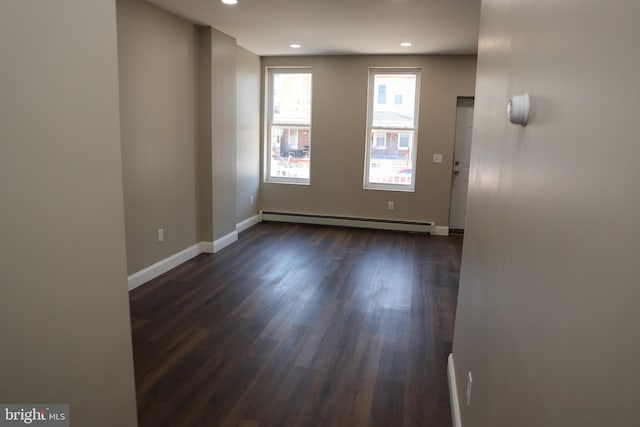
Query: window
404, 139
392, 130
380, 140
292, 139
382, 94
288, 131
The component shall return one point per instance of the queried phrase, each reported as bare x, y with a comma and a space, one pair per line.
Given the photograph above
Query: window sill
390, 188
287, 182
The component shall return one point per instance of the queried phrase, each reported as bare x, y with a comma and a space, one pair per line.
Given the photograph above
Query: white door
460, 172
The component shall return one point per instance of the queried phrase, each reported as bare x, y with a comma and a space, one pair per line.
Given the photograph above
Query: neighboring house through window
382, 94
380, 141
404, 140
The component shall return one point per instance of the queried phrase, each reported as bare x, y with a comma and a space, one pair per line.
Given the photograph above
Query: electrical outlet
391, 205
469, 385
251, 200
160, 235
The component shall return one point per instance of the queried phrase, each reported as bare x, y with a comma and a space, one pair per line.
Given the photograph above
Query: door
461, 156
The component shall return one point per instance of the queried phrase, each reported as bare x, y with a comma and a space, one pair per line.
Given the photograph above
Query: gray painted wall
548, 320
178, 113
204, 180
247, 133
338, 139
223, 133
157, 62
64, 312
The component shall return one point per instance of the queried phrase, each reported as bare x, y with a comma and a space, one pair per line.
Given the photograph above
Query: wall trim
247, 223
456, 420
440, 230
143, 276
225, 241
162, 266
344, 221
205, 247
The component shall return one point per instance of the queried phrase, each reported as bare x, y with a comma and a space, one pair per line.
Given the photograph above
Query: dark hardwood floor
300, 326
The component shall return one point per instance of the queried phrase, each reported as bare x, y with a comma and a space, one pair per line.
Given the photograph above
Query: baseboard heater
345, 221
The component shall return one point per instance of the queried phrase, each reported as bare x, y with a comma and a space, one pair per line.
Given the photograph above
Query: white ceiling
267, 27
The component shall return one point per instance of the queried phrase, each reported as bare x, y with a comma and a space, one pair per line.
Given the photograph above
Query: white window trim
371, 98
268, 120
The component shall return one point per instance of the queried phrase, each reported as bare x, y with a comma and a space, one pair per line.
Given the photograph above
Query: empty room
319, 213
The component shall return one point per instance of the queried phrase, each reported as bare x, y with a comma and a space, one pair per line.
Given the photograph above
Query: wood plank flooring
298, 325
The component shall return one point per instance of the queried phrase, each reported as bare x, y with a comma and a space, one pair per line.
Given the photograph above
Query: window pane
389, 162
398, 114
290, 152
292, 98
288, 126
392, 129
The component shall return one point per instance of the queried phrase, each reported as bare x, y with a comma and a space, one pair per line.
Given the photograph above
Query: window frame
371, 130
270, 71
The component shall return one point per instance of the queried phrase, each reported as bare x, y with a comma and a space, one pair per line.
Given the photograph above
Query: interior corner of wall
456, 419
225, 241
205, 247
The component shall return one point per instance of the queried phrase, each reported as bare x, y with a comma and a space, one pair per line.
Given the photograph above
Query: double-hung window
392, 129
288, 125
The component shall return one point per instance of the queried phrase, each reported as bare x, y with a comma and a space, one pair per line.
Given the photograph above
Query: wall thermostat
518, 109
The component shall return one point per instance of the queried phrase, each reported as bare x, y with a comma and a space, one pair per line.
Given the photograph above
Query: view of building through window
392, 128
289, 124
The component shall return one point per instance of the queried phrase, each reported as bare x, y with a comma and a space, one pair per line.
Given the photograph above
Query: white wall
64, 312
548, 320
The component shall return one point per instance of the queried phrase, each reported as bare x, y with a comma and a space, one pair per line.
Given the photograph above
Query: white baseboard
225, 241
162, 266
205, 247
247, 223
440, 230
453, 394
341, 221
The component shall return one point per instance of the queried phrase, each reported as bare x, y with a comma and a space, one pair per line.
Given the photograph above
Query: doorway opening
460, 170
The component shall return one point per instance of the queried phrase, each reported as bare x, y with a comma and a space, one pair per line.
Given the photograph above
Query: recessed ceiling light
295, 45
230, 1
406, 44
